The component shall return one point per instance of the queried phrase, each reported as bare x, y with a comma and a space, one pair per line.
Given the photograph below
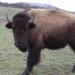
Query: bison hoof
73, 70
24, 73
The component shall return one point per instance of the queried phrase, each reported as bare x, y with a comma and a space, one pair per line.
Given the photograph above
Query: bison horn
27, 9
32, 19
7, 17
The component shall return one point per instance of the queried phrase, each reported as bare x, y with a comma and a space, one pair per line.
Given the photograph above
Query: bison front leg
73, 70
33, 59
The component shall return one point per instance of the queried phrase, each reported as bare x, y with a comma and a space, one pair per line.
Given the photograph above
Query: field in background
9, 11
13, 62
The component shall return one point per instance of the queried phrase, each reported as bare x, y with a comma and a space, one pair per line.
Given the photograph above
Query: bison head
21, 25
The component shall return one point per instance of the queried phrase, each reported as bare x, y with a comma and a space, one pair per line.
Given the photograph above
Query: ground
13, 62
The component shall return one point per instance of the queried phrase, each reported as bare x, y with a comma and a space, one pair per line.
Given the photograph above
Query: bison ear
8, 25
32, 25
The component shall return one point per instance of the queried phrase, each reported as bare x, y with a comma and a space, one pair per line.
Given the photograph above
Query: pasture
13, 62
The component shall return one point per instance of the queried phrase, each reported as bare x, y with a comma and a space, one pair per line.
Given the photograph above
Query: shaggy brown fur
51, 29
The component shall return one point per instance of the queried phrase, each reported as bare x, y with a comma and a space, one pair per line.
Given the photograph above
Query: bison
50, 29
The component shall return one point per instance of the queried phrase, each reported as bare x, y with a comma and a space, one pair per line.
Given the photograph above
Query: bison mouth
23, 49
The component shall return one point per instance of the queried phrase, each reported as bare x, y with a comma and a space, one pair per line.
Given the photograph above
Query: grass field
13, 62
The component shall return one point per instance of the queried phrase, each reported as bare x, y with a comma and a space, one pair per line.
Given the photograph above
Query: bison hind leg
72, 45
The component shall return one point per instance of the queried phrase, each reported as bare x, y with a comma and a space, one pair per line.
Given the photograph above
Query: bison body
50, 29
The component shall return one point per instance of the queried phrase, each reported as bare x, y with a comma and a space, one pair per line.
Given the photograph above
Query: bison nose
21, 47
18, 44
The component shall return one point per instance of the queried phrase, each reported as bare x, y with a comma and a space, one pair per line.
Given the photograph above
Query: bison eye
32, 25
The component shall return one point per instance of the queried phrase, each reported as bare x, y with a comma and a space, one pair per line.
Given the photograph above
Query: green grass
13, 62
